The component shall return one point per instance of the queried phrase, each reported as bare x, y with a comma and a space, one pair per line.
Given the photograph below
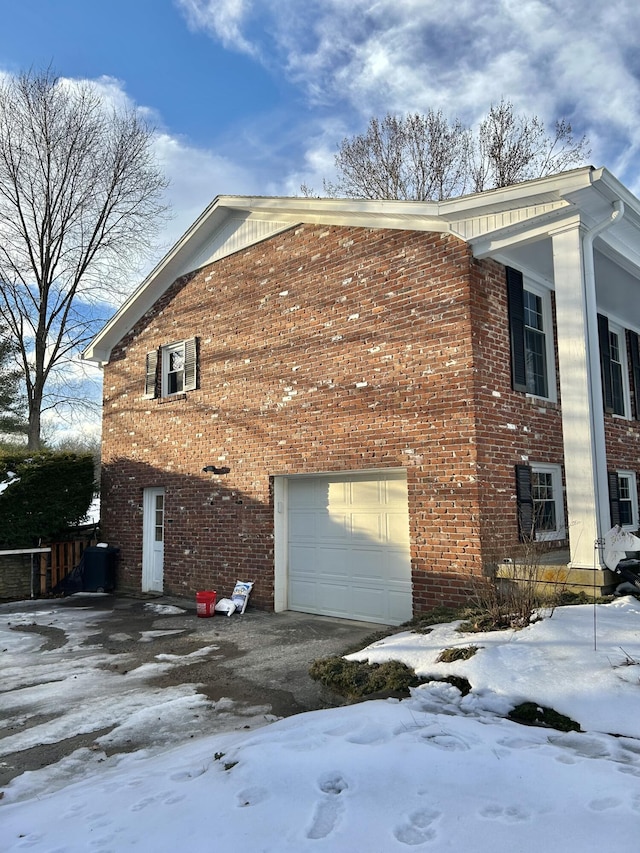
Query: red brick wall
512, 428
325, 349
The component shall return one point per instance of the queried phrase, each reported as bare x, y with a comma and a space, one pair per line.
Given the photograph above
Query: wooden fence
61, 561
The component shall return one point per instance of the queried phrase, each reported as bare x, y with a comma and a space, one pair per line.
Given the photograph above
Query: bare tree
428, 157
80, 198
415, 157
510, 148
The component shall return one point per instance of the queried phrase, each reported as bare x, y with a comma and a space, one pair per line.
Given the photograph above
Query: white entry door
348, 546
153, 540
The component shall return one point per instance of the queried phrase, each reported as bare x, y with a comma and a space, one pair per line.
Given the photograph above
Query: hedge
52, 493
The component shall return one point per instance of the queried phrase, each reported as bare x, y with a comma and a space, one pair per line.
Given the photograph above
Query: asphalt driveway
88, 677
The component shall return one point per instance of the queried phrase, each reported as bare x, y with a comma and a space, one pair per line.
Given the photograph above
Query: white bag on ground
240, 595
225, 605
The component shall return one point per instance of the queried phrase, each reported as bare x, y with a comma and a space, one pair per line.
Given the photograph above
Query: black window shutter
515, 303
190, 364
633, 344
526, 528
151, 372
605, 363
614, 497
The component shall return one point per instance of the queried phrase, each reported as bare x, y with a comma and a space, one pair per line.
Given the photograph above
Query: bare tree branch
80, 198
428, 157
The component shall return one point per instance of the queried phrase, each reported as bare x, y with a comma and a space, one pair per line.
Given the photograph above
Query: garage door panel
302, 559
353, 558
366, 526
369, 604
365, 493
367, 564
332, 562
334, 599
332, 493
396, 529
304, 592
396, 567
335, 527
397, 607
305, 526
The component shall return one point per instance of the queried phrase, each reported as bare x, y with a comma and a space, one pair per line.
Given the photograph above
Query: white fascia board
525, 194
307, 209
611, 188
355, 219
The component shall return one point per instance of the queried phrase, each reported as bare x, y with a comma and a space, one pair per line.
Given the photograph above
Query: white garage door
348, 546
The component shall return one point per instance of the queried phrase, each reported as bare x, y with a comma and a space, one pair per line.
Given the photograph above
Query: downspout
595, 383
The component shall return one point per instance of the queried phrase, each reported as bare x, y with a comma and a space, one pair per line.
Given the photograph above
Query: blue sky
254, 96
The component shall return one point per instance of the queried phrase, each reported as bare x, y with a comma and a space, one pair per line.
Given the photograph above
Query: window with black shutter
177, 365
633, 342
614, 497
530, 326
605, 363
515, 302
526, 528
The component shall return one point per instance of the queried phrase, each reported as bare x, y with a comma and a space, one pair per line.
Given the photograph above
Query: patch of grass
228, 765
422, 623
568, 598
479, 621
531, 714
358, 679
456, 653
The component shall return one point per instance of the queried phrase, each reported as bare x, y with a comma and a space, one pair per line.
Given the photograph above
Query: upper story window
613, 367
171, 369
531, 333
535, 345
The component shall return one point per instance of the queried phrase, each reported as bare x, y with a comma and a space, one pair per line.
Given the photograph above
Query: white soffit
237, 232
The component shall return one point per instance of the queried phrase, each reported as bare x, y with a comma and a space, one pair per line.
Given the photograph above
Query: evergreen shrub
53, 493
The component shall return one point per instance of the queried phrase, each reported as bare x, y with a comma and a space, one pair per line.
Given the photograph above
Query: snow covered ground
437, 771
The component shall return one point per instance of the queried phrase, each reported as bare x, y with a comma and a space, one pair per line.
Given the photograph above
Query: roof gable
233, 223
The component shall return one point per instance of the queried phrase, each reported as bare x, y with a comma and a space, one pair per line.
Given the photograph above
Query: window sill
171, 398
551, 536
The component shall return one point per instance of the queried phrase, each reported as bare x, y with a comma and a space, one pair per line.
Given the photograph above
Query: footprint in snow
418, 828
505, 814
604, 803
328, 811
252, 796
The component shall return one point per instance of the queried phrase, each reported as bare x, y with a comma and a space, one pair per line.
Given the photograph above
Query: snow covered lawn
437, 772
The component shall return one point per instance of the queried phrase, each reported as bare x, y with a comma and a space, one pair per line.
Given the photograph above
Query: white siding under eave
236, 233
476, 226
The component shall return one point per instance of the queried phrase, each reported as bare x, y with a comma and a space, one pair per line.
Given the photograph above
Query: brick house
360, 405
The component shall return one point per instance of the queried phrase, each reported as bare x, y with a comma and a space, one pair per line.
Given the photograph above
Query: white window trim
633, 490
556, 481
164, 366
547, 319
622, 347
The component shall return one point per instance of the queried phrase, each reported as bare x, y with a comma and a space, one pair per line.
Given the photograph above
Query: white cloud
196, 176
222, 18
576, 59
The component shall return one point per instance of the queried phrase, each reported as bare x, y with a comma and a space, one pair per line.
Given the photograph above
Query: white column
585, 457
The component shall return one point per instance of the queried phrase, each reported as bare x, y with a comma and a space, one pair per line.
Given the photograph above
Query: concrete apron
252, 667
